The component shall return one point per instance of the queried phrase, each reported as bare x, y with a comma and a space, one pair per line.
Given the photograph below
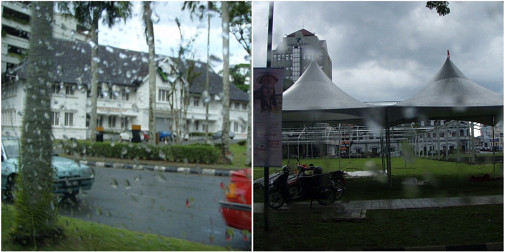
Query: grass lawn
436, 178
383, 229
82, 235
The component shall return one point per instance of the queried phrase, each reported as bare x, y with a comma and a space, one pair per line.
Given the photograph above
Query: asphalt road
168, 204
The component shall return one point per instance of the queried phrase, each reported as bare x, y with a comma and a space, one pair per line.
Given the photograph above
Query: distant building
16, 31
297, 50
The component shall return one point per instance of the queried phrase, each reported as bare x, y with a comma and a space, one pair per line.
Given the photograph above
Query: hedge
196, 153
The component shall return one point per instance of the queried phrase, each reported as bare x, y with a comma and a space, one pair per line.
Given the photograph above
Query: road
168, 204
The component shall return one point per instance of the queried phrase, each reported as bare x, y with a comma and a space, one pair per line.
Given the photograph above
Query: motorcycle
309, 184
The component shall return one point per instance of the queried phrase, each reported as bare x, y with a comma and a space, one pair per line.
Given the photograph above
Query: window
242, 128
112, 122
56, 88
197, 124
244, 106
163, 95
237, 105
69, 119
235, 126
55, 118
124, 123
99, 121
125, 95
8, 117
196, 101
69, 90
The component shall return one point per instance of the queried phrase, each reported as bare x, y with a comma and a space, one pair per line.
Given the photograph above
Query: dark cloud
390, 50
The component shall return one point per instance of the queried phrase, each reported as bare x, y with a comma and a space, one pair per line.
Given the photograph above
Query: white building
16, 30
123, 95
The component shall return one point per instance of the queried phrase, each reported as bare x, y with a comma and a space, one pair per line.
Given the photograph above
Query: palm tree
200, 10
35, 203
149, 32
90, 13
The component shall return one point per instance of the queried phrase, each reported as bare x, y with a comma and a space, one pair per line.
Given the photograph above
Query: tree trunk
207, 99
35, 202
152, 71
225, 139
94, 78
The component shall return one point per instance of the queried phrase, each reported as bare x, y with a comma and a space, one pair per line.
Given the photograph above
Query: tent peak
449, 70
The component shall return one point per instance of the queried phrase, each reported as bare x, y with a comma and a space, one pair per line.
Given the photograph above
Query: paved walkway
357, 209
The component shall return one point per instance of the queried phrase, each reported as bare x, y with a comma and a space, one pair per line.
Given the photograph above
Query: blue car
69, 176
167, 135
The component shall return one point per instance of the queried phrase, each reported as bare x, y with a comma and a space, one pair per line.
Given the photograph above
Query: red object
236, 207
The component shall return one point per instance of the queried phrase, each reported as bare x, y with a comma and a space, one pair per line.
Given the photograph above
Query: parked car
144, 135
125, 136
167, 135
69, 175
218, 134
128, 136
236, 207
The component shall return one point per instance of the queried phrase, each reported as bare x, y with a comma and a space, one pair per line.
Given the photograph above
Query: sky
388, 51
130, 35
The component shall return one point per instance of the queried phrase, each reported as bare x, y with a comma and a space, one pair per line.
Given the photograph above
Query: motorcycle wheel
339, 190
293, 191
326, 195
275, 199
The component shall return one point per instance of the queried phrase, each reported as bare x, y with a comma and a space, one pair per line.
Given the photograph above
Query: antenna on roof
448, 54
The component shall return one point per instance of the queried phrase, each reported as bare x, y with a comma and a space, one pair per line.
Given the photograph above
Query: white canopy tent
450, 96
315, 98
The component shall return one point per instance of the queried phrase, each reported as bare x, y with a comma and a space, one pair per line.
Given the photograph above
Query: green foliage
442, 7
241, 143
240, 75
196, 153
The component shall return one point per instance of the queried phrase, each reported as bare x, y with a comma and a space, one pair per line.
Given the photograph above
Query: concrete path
357, 209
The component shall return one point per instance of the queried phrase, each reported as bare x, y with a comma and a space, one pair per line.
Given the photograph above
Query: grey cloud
402, 38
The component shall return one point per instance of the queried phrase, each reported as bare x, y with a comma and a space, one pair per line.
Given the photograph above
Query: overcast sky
131, 35
388, 51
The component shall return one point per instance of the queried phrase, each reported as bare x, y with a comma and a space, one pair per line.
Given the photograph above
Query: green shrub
195, 153
241, 143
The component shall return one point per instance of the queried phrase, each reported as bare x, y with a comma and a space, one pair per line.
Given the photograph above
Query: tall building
16, 32
297, 50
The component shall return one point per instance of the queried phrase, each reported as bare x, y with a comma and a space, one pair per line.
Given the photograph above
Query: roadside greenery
195, 153
381, 230
88, 236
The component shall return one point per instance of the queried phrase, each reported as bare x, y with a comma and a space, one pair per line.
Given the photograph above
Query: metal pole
266, 172
492, 146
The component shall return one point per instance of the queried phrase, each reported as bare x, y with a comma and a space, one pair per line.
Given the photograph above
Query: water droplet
127, 184
114, 183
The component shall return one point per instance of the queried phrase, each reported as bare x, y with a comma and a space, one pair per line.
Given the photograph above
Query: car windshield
11, 147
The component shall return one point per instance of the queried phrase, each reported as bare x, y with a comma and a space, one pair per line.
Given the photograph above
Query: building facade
297, 50
123, 97
16, 31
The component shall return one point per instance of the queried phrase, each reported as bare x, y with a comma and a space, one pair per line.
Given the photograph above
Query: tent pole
388, 157
492, 146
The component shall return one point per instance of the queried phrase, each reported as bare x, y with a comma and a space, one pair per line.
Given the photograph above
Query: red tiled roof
304, 32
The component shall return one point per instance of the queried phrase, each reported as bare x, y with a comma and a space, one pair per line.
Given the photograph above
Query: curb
184, 170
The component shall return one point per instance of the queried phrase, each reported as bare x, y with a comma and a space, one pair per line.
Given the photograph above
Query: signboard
267, 98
